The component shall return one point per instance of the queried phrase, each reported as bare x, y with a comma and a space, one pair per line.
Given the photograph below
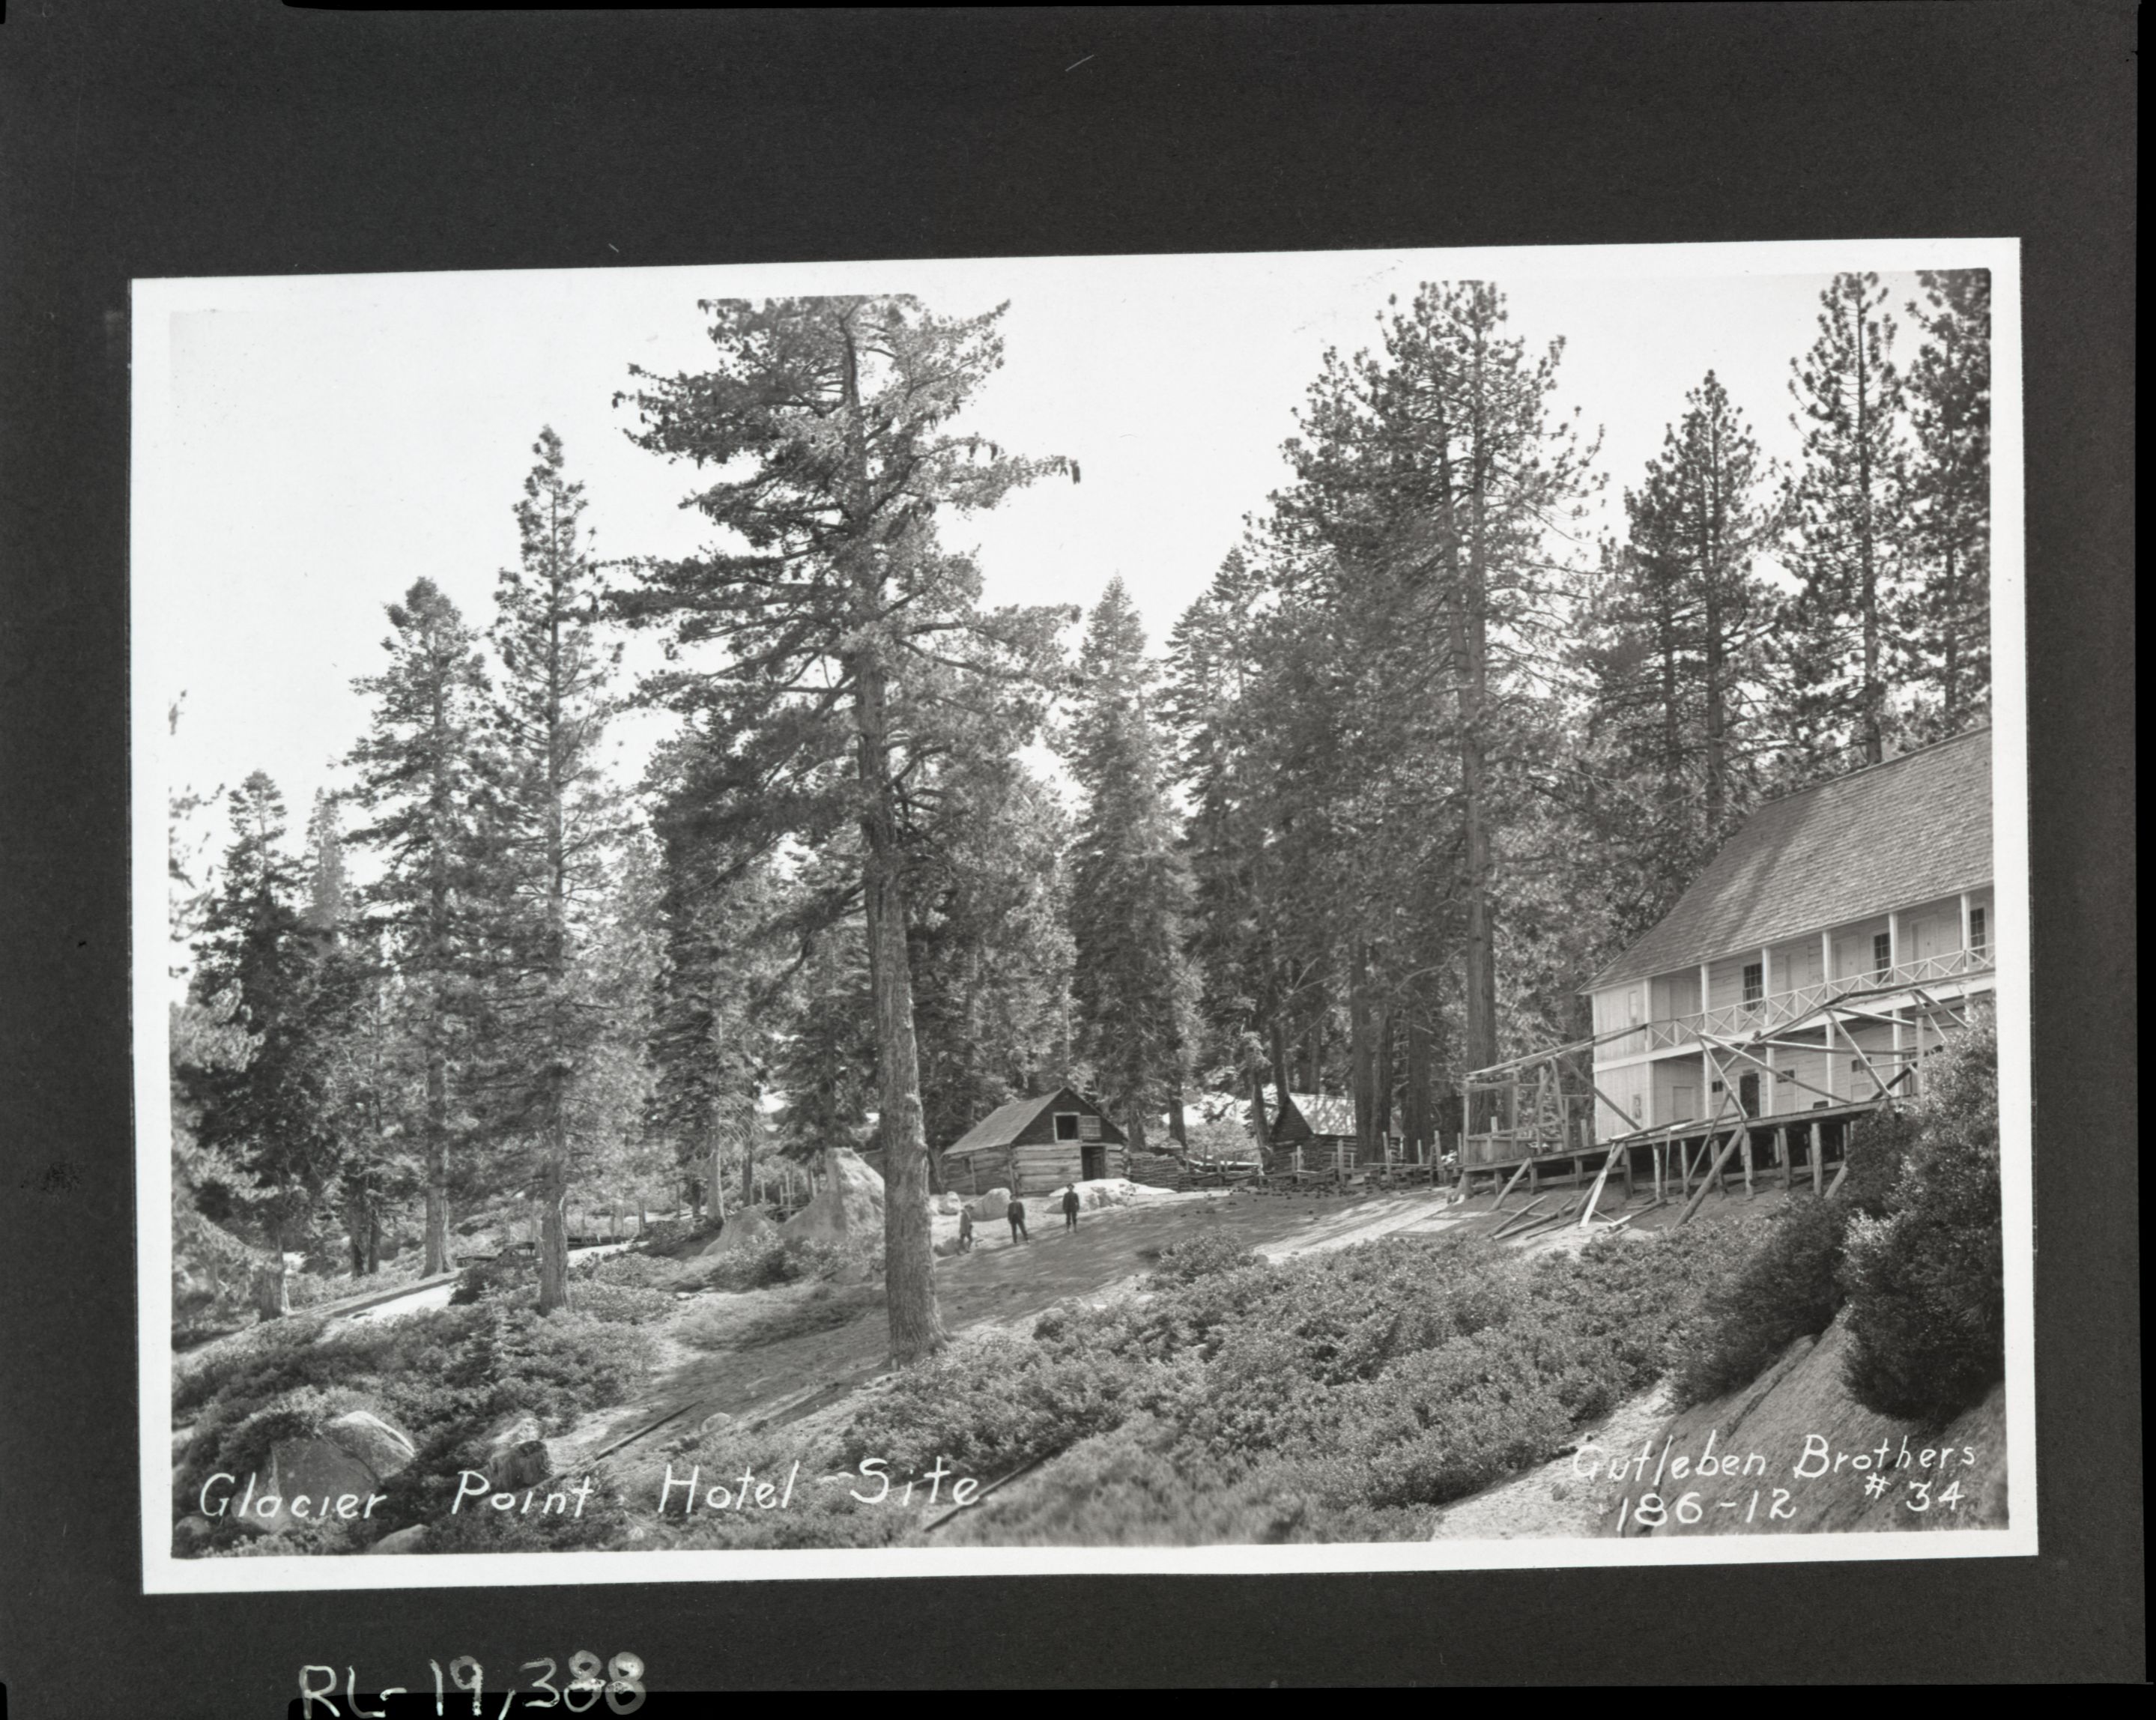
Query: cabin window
1066, 1125
1976, 932
1882, 951
1755, 981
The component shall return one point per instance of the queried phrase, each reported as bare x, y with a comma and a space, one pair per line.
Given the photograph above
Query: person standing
1015, 1212
965, 1230
1070, 1206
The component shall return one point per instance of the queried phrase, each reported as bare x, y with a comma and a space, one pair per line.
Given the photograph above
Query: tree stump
272, 1291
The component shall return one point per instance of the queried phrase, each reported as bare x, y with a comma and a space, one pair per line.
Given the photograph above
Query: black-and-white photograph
1311, 911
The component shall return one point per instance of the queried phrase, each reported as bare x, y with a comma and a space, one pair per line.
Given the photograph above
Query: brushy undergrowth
445, 1378
1335, 1397
1925, 1273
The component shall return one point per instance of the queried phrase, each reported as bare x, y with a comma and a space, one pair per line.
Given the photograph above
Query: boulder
318, 1471
712, 1423
848, 1205
383, 1448
411, 1540
946, 1246
190, 1534
523, 1465
745, 1230
517, 1454
946, 1203
513, 1428
989, 1207
1107, 1191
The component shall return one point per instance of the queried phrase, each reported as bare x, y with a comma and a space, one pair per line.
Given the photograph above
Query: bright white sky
305, 449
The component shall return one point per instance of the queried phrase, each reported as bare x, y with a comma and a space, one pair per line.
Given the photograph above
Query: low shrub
511, 1274
1925, 1277
1784, 1288
1185, 1262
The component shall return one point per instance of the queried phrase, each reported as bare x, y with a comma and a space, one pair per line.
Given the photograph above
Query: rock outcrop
743, 1230
850, 1204
350, 1457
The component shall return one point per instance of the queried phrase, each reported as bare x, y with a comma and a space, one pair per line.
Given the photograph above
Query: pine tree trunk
1416, 1119
1283, 1076
1362, 1046
1381, 1096
916, 1329
435, 1257
1176, 1127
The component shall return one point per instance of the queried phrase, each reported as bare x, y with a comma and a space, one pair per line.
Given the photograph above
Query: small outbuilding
1034, 1146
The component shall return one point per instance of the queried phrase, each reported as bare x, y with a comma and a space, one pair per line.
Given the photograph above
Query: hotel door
1747, 1094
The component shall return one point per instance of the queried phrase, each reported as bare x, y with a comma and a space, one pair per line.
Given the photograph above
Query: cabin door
1747, 1094
1093, 1160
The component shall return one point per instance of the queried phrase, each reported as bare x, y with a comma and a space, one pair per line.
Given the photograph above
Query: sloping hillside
1793, 1453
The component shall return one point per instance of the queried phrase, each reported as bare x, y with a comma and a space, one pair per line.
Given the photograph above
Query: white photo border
156, 302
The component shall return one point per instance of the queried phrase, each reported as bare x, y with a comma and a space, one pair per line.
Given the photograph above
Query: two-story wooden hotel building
1825, 951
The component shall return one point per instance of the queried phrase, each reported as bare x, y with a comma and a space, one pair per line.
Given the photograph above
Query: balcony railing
1780, 1008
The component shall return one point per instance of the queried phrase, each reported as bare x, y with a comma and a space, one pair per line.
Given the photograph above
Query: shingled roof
1004, 1124
1887, 837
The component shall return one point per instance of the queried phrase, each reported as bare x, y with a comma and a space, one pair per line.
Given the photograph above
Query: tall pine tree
1947, 624
1129, 888
557, 823
1836, 650
848, 639
419, 775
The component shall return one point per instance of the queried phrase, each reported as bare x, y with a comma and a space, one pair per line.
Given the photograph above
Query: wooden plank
1706, 1182
1840, 1171
1596, 1195
1524, 1215
1507, 1188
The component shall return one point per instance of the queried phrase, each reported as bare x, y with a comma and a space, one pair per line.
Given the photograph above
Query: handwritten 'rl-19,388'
618, 1681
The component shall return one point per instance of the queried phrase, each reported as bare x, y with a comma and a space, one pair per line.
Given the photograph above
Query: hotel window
1636, 1107
1882, 951
1976, 931
1755, 981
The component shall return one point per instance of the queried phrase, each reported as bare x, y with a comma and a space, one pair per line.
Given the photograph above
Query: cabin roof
1886, 837
1319, 1113
1002, 1126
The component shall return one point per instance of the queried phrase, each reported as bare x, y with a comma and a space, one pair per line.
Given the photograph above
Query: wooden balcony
1778, 1009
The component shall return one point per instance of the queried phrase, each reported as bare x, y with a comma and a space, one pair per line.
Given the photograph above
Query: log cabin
1035, 1145
1825, 953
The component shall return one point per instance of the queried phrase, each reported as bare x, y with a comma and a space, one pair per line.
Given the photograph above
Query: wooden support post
1706, 1182
1818, 1175
1595, 1193
1841, 1171
1661, 1151
1684, 1169
1628, 1172
1749, 1194
1714, 1172
1533, 1181
1507, 1188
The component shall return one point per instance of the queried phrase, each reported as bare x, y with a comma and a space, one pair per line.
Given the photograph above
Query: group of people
1015, 1214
